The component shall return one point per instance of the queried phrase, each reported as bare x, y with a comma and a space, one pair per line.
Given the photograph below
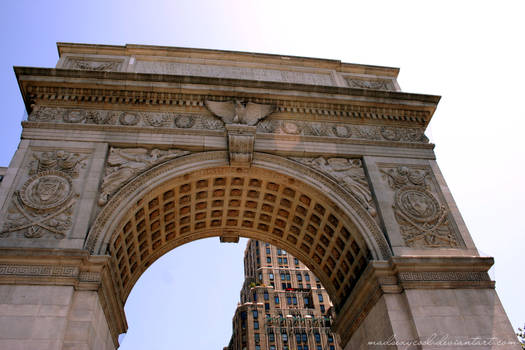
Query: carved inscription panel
419, 208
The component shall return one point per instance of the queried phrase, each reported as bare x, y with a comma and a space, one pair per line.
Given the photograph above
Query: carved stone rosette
124, 163
422, 218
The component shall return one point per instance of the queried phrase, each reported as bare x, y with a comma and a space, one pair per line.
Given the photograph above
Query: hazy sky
469, 52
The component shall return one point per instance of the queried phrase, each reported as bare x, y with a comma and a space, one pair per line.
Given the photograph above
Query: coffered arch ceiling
275, 200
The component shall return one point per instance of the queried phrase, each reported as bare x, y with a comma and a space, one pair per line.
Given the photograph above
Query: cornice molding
49, 86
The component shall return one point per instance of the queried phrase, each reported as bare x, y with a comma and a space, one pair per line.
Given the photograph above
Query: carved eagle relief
236, 112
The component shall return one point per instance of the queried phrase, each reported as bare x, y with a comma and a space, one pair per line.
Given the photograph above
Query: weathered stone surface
325, 159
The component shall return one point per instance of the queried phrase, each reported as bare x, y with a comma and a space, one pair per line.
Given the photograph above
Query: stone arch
275, 200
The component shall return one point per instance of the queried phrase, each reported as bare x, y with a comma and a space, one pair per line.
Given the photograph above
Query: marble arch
129, 151
200, 195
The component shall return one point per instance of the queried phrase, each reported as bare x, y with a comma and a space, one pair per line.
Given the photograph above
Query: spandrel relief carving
124, 163
349, 173
43, 205
422, 217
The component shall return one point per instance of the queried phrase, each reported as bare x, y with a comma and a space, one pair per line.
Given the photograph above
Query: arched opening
187, 298
276, 200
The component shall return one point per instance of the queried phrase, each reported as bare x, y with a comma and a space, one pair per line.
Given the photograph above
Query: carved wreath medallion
417, 204
46, 190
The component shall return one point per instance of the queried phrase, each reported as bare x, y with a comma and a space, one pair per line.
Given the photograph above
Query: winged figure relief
237, 112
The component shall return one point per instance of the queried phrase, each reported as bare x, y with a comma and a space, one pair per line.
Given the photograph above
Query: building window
272, 347
306, 301
322, 308
269, 259
271, 337
332, 347
330, 339
289, 300
283, 276
271, 276
305, 347
319, 347
285, 337
317, 337
298, 337
280, 260
267, 306
255, 314
266, 296
243, 315
320, 296
255, 324
299, 277
279, 251
307, 277
296, 261
257, 347
294, 300
277, 299
304, 337
285, 260
254, 296
256, 243
299, 347
257, 337
283, 285
288, 278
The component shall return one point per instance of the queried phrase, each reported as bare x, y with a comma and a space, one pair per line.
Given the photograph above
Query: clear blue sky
470, 52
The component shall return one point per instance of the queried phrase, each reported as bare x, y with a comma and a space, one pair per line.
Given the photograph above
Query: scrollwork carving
423, 220
124, 163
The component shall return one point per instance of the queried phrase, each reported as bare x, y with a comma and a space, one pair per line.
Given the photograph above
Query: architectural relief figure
124, 163
43, 205
237, 112
422, 218
349, 173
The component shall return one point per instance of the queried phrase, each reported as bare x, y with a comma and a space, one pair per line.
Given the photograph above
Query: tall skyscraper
283, 305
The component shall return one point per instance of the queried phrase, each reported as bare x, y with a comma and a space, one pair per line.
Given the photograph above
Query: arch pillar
56, 299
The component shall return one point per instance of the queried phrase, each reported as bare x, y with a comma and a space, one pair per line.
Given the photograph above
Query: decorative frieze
343, 130
124, 163
422, 216
123, 118
204, 122
349, 173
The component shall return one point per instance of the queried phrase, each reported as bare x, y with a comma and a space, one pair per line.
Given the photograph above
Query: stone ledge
68, 267
414, 272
